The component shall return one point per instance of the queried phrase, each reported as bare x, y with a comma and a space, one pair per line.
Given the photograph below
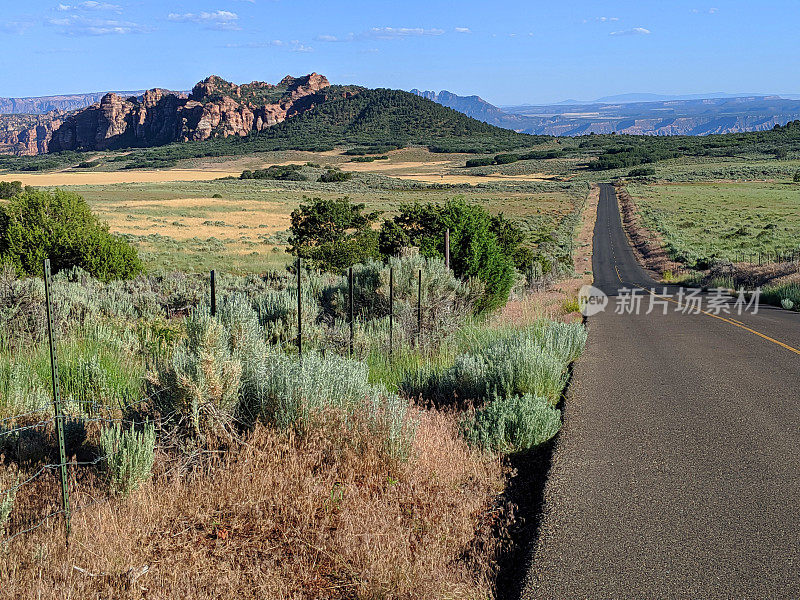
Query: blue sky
509, 52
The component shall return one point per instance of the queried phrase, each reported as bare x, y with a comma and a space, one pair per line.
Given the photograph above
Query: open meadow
726, 220
201, 216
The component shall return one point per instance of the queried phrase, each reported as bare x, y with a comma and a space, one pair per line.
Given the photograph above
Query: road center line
726, 320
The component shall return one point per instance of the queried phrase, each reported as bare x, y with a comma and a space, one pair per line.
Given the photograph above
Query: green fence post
59, 413
350, 307
299, 313
391, 310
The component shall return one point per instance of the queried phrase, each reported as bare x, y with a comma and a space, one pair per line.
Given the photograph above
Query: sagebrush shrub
128, 456
512, 424
7, 496
507, 363
199, 386
291, 393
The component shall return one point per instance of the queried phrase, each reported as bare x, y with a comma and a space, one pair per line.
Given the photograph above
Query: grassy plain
723, 219
177, 222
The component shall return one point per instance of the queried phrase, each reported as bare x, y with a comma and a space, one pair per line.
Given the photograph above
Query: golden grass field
177, 223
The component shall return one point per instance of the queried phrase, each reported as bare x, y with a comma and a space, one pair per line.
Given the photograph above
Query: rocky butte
214, 108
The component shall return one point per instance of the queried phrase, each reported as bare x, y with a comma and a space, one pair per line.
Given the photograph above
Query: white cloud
292, 46
221, 20
463, 30
15, 27
394, 33
634, 31
80, 25
387, 33
602, 19
89, 5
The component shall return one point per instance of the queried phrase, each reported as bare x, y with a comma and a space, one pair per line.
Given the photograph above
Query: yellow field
414, 164
65, 178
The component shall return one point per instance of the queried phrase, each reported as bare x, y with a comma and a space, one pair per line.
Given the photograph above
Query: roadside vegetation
361, 469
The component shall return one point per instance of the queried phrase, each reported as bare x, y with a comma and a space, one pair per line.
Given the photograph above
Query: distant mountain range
629, 114
625, 98
216, 108
45, 104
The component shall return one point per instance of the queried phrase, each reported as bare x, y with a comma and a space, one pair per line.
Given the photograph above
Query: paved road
677, 472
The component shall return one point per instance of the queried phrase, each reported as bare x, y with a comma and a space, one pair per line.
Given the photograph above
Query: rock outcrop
26, 135
215, 108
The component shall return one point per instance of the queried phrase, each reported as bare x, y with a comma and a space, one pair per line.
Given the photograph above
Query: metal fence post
447, 248
299, 313
350, 307
419, 308
59, 413
213, 293
391, 310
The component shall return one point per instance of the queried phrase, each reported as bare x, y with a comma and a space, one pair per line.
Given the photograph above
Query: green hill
372, 118
385, 117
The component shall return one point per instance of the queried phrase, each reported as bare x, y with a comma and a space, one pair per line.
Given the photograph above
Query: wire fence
749, 266
47, 465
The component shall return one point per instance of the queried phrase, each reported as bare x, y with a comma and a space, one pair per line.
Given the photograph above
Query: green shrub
333, 234
291, 393
786, 295
129, 456
7, 495
59, 225
87, 164
481, 246
480, 162
335, 176
513, 363
513, 424
276, 173
9, 189
642, 172
505, 159
797, 177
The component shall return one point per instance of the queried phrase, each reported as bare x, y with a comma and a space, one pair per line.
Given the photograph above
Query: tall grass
779, 294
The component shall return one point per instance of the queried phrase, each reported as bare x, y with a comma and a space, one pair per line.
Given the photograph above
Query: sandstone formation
27, 135
215, 108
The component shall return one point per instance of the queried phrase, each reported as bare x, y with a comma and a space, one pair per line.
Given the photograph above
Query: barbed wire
46, 518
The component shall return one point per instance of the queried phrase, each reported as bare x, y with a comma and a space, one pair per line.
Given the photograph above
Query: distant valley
664, 117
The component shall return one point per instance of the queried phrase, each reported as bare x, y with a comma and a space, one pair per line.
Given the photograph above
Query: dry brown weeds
282, 516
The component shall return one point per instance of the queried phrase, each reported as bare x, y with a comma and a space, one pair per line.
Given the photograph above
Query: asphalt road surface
677, 472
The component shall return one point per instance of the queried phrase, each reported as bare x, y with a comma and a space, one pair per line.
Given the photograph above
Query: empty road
677, 472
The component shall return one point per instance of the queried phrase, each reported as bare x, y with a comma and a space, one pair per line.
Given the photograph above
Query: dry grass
62, 178
283, 517
226, 219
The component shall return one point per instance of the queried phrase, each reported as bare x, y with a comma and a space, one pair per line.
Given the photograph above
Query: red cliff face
26, 135
215, 108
